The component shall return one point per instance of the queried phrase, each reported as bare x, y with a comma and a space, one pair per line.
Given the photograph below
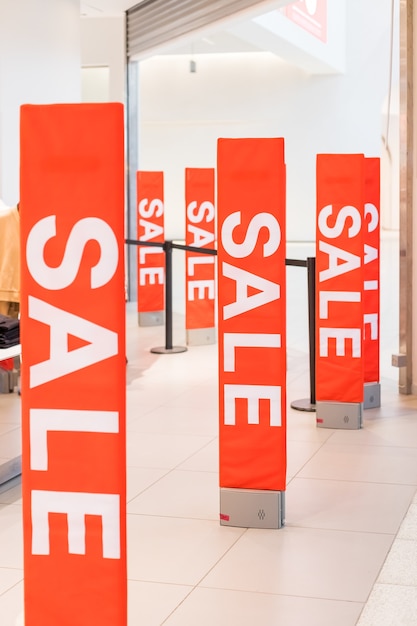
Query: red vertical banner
73, 364
339, 278
372, 270
151, 260
311, 16
251, 312
200, 233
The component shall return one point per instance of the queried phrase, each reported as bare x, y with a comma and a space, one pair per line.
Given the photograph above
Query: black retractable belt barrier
309, 404
310, 264
167, 247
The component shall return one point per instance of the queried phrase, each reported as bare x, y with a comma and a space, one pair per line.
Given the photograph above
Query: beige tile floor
348, 552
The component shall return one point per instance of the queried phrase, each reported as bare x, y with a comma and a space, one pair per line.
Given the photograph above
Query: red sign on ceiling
310, 15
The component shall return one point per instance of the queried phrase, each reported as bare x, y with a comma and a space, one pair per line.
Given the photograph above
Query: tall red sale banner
200, 233
73, 364
339, 278
150, 227
372, 270
251, 313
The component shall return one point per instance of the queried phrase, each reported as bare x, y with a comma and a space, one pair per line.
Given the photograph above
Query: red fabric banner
372, 270
339, 277
151, 260
200, 268
251, 312
311, 16
73, 364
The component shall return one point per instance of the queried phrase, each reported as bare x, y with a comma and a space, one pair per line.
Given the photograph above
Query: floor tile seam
156, 582
176, 517
197, 471
346, 480
194, 471
342, 530
392, 585
399, 539
171, 471
128, 501
359, 482
188, 436
231, 546
396, 583
155, 467
167, 432
309, 459
178, 605
208, 443
9, 589
17, 569
378, 576
155, 482
278, 595
305, 439
348, 444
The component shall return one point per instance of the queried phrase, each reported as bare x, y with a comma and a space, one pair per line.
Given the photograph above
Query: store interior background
264, 76
256, 75
247, 82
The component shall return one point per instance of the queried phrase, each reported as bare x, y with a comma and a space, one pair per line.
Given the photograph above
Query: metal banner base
201, 336
303, 405
371, 395
151, 318
252, 508
173, 350
343, 415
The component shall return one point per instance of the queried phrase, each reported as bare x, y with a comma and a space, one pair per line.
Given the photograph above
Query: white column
39, 64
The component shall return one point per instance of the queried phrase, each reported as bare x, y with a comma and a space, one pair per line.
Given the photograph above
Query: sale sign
340, 278
371, 270
251, 312
150, 227
73, 364
200, 268
311, 15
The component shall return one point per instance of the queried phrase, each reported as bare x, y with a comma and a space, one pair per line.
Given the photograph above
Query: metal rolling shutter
154, 22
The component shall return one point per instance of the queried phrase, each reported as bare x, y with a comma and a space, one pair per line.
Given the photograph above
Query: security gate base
201, 336
252, 508
151, 318
343, 415
371, 395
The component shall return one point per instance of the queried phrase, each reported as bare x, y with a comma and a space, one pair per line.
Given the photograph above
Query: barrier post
309, 404
340, 281
252, 332
168, 348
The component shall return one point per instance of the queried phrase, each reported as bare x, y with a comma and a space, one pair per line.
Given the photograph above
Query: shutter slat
155, 22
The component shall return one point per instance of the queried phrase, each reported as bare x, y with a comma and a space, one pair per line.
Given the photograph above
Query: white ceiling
216, 39
219, 39
235, 35
95, 8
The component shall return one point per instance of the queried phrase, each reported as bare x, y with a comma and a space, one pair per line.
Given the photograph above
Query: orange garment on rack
9, 260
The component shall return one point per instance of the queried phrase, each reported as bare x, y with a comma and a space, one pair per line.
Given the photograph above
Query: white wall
39, 64
256, 94
103, 45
